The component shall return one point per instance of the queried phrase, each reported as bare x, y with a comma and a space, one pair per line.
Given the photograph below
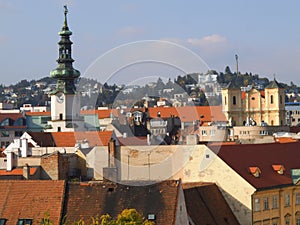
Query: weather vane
66, 9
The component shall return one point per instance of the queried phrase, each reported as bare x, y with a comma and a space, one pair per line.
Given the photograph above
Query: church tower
232, 104
65, 101
275, 96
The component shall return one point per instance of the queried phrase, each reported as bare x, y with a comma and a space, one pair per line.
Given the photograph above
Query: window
4, 134
24, 222
212, 132
252, 98
287, 220
272, 100
234, 100
204, 133
275, 221
298, 198
274, 201
266, 203
5, 122
225, 100
297, 215
287, 199
280, 99
18, 133
256, 204
2, 221
19, 122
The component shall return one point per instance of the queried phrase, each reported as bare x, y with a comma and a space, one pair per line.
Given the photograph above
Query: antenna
237, 64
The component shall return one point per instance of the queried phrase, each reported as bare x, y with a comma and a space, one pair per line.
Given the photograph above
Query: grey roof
274, 84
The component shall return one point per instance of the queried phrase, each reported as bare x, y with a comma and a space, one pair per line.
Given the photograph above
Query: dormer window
255, 171
278, 168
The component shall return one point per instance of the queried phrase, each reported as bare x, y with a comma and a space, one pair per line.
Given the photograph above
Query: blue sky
265, 34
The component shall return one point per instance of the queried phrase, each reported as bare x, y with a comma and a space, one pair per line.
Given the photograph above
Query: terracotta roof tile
38, 113
31, 199
17, 172
102, 113
95, 138
190, 113
13, 116
101, 198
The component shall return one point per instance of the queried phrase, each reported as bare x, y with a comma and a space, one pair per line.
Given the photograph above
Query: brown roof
30, 199
95, 138
43, 139
2, 153
132, 141
263, 156
206, 205
88, 200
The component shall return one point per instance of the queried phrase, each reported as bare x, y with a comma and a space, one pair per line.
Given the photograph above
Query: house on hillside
12, 125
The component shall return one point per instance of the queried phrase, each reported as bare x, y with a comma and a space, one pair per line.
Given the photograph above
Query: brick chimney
111, 152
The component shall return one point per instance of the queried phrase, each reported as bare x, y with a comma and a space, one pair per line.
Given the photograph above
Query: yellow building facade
277, 206
254, 107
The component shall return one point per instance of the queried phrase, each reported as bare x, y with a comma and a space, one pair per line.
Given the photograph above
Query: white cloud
207, 40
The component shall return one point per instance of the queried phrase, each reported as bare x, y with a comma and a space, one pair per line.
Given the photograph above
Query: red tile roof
86, 201
190, 113
69, 139
13, 116
38, 113
17, 172
263, 156
31, 199
206, 204
102, 113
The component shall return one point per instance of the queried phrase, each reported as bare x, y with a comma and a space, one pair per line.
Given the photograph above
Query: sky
264, 34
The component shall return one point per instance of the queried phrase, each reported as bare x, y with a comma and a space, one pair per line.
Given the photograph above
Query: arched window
234, 100
297, 215
272, 100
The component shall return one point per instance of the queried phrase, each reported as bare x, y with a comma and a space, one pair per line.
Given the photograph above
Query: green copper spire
65, 73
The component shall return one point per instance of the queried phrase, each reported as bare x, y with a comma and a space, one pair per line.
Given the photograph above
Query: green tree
127, 217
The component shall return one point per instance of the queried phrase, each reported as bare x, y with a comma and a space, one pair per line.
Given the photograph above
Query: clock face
60, 98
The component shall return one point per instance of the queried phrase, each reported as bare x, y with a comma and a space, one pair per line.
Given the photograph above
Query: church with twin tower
65, 100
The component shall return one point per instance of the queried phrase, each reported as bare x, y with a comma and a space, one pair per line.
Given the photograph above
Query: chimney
9, 160
148, 139
24, 147
111, 152
26, 171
